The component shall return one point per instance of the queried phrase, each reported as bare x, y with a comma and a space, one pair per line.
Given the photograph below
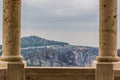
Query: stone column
11, 30
11, 58
108, 31
107, 60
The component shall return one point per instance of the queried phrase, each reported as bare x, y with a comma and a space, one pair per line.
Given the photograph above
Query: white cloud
86, 4
34, 2
64, 7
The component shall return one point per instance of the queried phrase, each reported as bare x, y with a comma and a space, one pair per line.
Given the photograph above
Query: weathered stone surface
15, 71
11, 30
2, 74
11, 59
108, 31
106, 70
60, 77
62, 73
117, 74
106, 74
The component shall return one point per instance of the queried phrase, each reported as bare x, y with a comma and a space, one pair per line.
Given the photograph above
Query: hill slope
34, 41
38, 51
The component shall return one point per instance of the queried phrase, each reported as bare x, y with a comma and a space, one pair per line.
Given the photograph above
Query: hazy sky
72, 21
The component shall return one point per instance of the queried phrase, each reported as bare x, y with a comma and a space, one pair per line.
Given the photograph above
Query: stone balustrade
59, 73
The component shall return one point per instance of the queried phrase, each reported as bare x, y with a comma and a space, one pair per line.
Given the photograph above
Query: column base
116, 65
5, 64
14, 70
105, 70
108, 59
11, 58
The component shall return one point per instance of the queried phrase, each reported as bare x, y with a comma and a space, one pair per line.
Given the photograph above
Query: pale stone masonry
11, 30
11, 58
108, 31
107, 60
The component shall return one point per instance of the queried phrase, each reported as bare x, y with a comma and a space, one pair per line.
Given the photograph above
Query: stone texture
117, 74
15, 71
11, 30
60, 77
106, 74
106, 70
11, 59
62, 73
108, 31
13, 68
2, 74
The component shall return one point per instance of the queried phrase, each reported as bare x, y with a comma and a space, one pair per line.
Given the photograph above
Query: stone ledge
59, 71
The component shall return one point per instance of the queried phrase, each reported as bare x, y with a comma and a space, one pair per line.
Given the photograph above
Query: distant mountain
38, 51
55, 55
34, 41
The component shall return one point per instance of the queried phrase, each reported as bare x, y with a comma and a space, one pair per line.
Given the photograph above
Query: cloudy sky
72, 21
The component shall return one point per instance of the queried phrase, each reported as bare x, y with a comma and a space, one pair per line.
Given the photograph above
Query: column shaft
11, 30
108, 31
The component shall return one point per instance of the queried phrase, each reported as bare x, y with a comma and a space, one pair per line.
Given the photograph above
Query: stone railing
61, 73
